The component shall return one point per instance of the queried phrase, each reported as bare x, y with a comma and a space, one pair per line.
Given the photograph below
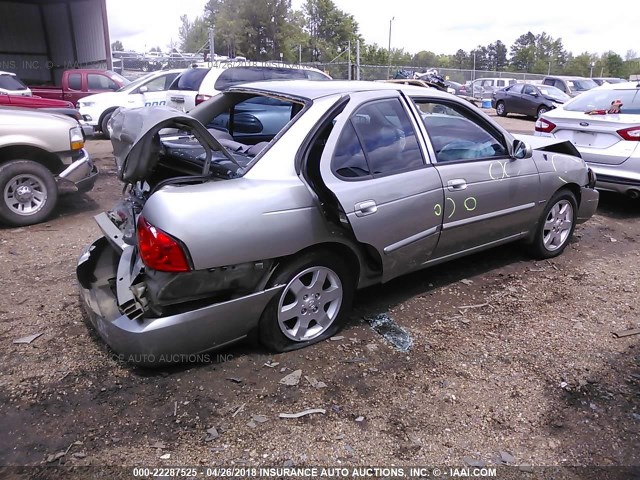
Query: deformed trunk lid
136, 138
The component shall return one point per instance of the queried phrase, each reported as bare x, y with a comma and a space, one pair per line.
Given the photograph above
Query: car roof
7, 73
567, 77
317, 89
620, 86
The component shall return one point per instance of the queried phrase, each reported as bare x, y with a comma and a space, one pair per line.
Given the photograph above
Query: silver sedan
604, 125
217, 239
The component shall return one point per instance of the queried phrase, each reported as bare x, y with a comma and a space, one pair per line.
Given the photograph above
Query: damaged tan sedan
217, 239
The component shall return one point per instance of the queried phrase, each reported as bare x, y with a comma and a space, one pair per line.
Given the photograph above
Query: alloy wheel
558, 225
310, 303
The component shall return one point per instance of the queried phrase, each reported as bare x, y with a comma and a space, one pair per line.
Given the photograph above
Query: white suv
484, 87
198, 84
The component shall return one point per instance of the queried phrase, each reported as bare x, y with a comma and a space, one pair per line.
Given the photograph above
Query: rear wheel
556, 225
541, 111
313, 305
501, 109
29, 193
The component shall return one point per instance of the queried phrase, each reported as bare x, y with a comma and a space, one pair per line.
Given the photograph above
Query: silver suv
572, 86
41, 155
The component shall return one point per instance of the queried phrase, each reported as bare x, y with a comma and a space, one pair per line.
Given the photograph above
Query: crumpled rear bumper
170, 339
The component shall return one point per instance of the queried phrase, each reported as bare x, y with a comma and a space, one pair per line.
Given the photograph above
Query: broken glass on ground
391, 331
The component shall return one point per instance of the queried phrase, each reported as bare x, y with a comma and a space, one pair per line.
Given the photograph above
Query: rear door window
190, 80
75, 81
100, 82
383, 131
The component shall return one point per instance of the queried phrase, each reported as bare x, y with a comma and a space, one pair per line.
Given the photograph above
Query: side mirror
143, 89
521, 150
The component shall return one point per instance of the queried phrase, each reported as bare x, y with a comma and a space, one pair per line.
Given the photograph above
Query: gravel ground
513, 361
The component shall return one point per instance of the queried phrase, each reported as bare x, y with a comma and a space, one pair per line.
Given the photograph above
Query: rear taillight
158, 250
202, 98
544, 126
631, 134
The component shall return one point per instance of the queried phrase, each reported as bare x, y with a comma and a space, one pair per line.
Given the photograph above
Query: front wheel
29, 193
556, 225
313, 305
501, 109
541, 111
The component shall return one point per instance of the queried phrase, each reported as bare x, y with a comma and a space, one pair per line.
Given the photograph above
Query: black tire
103, 125
542, 109
37, 179
270, 333
501, 109
145, 67
541, 249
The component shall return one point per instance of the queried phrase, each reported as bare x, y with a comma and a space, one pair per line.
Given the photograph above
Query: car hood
136, 141
549, 144
103, 97
552, 98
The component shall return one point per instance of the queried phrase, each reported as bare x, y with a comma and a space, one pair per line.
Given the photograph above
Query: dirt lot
532, 374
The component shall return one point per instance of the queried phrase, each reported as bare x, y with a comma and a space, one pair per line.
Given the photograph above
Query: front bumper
169, 339
80, 176
87, 129
588, 204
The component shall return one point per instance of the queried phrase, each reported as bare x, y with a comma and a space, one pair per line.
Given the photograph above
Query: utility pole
349, 60
358, 60
299, 54
212, 51
389, 49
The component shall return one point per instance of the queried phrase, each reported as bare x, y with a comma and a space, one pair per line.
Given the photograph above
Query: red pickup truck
79, 83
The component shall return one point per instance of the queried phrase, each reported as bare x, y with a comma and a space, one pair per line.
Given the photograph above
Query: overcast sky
441, 27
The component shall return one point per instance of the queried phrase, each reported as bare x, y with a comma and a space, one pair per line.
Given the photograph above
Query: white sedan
147, 91
604, 125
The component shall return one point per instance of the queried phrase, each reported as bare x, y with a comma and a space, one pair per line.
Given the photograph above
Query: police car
147, 91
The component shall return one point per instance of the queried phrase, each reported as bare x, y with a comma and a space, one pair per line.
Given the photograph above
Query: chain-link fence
340, 71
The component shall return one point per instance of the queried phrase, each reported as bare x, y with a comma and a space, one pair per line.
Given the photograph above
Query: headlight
76, 138
86, 104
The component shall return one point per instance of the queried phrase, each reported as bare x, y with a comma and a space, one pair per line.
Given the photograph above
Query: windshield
136, 83
582, 85
119, 78
553, 92
602, 99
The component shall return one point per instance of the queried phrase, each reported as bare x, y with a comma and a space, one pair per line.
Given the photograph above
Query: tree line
321, 32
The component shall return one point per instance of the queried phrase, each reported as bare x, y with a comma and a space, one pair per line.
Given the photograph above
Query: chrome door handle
456, 184
367, 207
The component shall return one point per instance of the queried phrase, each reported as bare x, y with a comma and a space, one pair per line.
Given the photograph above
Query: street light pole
591, 71
389, 49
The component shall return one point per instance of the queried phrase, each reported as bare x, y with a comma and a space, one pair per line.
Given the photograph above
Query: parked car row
152, 61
